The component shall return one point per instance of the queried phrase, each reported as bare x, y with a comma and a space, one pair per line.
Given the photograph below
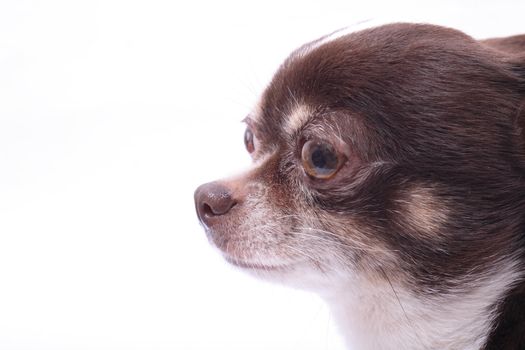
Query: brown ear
512, 48
514, 45
518, 68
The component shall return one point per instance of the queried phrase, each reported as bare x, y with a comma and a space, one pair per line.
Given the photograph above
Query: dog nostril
217, 208
212, 200
206, 210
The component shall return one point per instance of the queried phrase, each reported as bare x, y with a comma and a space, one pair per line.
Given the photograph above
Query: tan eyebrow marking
297, 118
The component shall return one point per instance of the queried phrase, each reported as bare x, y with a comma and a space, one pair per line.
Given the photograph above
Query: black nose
211, 201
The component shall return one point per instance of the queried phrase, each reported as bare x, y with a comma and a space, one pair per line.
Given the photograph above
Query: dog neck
379, 314
509, 330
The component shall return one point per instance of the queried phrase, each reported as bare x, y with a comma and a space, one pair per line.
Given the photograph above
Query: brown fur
433, 123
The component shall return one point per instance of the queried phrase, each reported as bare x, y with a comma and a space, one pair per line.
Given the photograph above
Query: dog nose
211, 201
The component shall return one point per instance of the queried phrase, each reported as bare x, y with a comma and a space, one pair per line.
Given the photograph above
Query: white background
111, 114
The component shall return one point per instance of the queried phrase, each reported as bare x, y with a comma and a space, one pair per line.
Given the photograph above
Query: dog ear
513, 47
518, 70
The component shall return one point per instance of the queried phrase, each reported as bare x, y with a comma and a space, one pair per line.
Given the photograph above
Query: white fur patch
373, 316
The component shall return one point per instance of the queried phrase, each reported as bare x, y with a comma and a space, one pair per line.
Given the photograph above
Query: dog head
394, 151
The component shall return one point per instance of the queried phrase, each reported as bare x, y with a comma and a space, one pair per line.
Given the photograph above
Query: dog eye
249, 140
320, 160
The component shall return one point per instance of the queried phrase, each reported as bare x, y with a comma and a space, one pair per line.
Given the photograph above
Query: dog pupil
323, 158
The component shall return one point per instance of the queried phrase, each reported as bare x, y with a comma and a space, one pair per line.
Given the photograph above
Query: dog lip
251, 266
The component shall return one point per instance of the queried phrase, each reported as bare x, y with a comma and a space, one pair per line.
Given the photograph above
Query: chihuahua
388, 176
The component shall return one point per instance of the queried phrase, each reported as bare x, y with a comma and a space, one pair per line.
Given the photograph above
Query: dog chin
299, 274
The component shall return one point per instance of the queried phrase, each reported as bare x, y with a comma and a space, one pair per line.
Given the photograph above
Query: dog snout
213, 200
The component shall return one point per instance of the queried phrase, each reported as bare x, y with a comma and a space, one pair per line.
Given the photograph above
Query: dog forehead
327, 73
303, 85
305, 77
375, 73
338, 64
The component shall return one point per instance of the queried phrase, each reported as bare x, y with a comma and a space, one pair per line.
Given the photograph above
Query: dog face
394, 152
